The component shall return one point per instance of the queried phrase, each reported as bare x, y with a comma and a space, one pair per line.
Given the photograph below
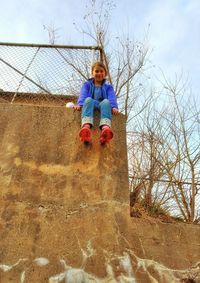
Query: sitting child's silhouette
96, 93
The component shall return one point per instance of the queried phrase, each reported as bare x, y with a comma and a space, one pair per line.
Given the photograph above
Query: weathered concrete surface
64, 213
43, 161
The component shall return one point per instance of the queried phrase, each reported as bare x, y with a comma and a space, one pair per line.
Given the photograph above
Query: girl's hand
77, 108
115, 111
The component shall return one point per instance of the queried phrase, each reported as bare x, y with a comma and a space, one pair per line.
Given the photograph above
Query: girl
97, 94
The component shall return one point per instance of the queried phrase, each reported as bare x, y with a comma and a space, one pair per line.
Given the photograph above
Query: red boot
85, 134
106, 135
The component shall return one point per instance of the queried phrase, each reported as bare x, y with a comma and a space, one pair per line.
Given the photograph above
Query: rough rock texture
64, 208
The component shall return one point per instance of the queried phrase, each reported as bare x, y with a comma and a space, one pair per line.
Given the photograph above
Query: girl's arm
115, 111
77, 108
112, 97
84, 93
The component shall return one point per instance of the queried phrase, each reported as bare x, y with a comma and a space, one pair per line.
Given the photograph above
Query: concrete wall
43, 161
64, 207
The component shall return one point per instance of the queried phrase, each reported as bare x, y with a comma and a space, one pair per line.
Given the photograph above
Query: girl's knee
88, 100
105, 102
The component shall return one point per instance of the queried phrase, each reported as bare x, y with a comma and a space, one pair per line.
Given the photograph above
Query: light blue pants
90, 105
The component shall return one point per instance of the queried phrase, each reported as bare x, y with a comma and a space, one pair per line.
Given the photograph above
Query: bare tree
145, 154
53, 33
184, 153
166, 153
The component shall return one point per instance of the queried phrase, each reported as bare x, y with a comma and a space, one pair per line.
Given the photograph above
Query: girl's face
99, 74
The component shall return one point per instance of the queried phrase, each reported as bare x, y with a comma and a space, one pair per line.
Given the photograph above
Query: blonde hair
99, 64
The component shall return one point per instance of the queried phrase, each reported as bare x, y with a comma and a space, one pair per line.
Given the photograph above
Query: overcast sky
174, 33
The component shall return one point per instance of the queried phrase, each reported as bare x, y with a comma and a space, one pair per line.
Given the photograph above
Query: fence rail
45, 69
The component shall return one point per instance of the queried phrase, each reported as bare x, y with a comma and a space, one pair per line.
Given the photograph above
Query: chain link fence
35, 73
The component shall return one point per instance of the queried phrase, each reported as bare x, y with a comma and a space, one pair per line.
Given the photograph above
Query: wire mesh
43, 71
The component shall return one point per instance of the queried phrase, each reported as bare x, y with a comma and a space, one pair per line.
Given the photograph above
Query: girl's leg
87, 113
105, 112
87, 120
105, 121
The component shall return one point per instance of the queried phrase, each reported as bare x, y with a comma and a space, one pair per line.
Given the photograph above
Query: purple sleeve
112, 97
84, 93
